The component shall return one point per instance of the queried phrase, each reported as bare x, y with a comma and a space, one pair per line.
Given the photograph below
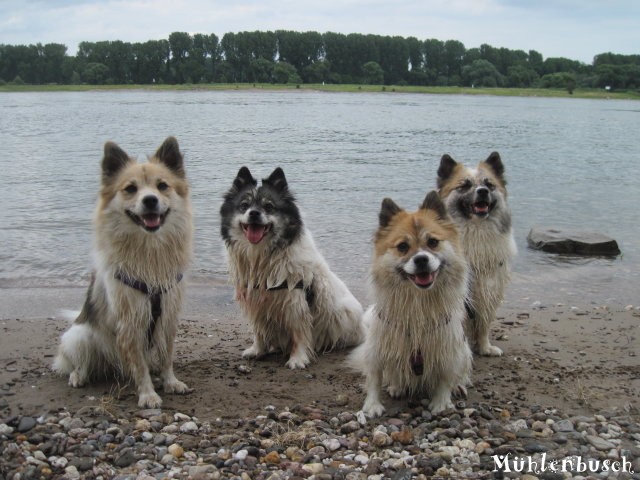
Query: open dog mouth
255, 232
424, 279
480, 208
149, 221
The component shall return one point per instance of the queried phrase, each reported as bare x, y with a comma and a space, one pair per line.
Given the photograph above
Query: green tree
96, 74
521, 76
454, 56
181, 44
317, 72
284, 72
299, 49
372, 73
482, 73
261, 70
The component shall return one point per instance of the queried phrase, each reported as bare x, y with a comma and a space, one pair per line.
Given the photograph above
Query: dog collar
155, 298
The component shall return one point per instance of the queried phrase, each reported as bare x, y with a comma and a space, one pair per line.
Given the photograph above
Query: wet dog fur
143, 234
293, 301
476, 199
415, 341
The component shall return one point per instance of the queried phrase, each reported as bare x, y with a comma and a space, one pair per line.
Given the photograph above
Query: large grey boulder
576, 242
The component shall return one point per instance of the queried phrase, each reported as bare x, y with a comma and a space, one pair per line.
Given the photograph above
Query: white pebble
331, 444
241, 454
189, 427
361, 417
5, 429
72, 472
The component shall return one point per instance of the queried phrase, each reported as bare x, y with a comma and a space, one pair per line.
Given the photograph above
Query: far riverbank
503, 92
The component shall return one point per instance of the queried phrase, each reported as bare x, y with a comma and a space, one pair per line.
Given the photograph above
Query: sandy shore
579, 360
567, 387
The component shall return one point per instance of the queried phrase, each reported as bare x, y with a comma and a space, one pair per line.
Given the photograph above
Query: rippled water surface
569, 162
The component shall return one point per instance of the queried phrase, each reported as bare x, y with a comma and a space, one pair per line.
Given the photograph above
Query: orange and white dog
476, 199
143, 236
415, 341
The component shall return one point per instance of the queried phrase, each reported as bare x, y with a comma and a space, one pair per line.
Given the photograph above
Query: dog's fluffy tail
359, 359
62, 364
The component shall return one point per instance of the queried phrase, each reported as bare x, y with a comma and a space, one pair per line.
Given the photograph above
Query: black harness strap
155, 299
309, 293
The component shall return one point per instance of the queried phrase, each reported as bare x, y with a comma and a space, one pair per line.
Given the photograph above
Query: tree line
309, 57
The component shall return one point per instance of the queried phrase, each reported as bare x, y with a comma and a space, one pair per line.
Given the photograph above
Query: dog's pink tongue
151, 221
481, 209
255, 233
424, 279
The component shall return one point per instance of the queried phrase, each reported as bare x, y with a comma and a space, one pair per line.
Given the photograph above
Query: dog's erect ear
244, 179
388, 210
446, 168
494, 162
276, 180
113, 161
433, 202
169, 154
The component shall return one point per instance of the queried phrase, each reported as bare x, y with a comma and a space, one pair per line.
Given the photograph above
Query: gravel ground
310, 442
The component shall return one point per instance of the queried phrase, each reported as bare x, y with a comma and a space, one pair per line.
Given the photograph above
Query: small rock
404, 436
381, 439
562, 426
143, 425
600, 443
313, 468
350, 427
189, 427
26, 424
176, 450
331, 444
271, 458
5, 429
72, 473
125, 458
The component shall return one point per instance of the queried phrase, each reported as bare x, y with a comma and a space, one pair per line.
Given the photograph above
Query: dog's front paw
297, 362
76, 379
149, 400
438, 405
489, 350
394, 391
372, 408
254, 351
460, 391
176, 386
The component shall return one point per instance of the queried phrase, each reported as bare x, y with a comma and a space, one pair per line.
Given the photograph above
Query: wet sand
579, 360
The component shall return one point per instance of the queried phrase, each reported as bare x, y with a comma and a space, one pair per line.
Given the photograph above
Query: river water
569, 162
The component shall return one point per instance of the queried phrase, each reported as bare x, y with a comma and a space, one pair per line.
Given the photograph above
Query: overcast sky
575, 29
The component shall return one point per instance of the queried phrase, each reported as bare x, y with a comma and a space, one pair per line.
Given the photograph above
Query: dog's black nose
482, 192
150, 202
254, 215
421, 262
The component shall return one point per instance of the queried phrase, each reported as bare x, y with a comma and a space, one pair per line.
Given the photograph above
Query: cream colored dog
143, 231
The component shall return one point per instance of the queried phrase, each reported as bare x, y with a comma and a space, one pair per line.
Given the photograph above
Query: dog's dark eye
466, 185
489, 184
243, 207
403, 247
268, 207
433, 242
131, 188
162, 186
